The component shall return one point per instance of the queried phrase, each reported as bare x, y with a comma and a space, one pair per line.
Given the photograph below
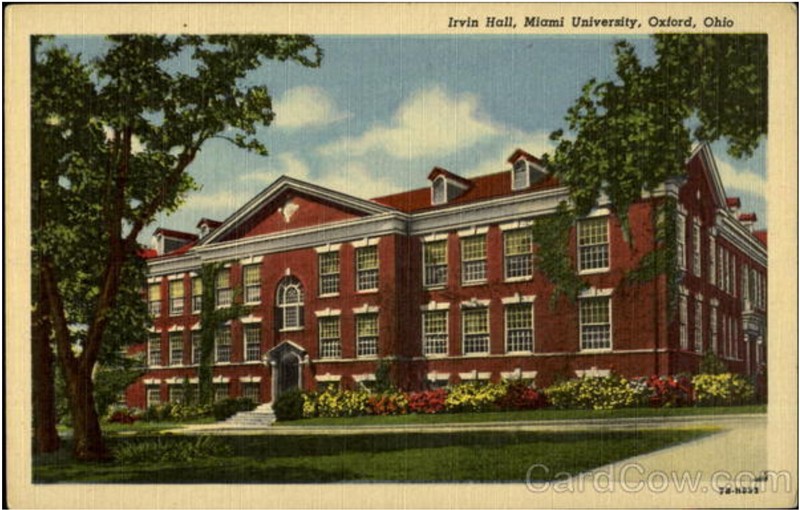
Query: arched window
289, 313
520, 175
439, 191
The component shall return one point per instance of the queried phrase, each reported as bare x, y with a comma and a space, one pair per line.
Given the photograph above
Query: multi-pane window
154, 350
252, 283
712, 329
698, 326
176, 348
290, 310
367, 334
733, 276
519, 328
473, 259
696, 258
196, 349
330, 342
593, 244
252, 342
744, 290
329, 273
153, 396
176, 395
476, 330
221, 391
595, 323
434, 260
520, 174
720, 266
154, 299
434, 333
712, 260
224, 290
367, 268
680, 238
176, 297
517, 246
252, 391
684, 322
197, 295
222, 345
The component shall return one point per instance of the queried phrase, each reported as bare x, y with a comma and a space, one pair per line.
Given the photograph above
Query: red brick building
441, 281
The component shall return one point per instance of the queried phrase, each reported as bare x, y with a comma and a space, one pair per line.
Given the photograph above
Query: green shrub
171, 450
334, 403
722, 389
289, 406
390, 402
185, 412
473, 396
310, 404
612, 392
227, 407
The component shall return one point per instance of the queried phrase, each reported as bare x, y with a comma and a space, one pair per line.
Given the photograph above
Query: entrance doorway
286, 361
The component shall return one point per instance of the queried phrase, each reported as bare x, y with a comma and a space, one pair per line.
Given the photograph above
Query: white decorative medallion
288, 210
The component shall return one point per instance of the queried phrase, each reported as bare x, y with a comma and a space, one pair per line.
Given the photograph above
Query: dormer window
439, 191
520, 175
446, 186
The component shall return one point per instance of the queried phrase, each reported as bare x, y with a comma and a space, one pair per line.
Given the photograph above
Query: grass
398, 457
516, 416
139, 427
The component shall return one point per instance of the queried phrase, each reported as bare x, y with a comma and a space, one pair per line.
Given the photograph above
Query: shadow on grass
403, 457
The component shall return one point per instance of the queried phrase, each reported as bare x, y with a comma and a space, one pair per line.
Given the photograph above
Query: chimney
734, 204
205, 226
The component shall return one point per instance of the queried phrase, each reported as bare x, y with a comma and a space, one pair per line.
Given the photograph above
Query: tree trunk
87, 435
45, 435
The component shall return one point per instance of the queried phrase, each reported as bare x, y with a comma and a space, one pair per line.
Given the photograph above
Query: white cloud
213, 205
429, 123
736, 178
535, 143
305, 106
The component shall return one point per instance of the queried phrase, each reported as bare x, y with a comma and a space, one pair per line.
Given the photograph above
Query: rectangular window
176, 348
744, 289
725, 341
684, 324
696, 248
593, 244
367, 335
733, 276
196, 349
252, 391
197, 295
330, 342
735, 326
725, 271
221, 391
595, 323
434, 260
222, 345
154, 299
176, 297
476, 331
680, 238
712, 330
176, 395
224, 290
252, 342
329, 273
519, 328
720, 265
712, 260
252, 283
367, 268
473, 259
434, 333
154, 350
517, 248
153, 396
698, 326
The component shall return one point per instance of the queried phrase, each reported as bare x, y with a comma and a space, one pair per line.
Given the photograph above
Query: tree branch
55, 305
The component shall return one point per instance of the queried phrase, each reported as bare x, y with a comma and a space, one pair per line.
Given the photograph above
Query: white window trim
364, 377
470, 308
474, 375
519, 374
366, 309
518, 299
476, 303
435, 376
327, 377
505, 325
249, 261
425, 284
605, 293
516, 225
446, 330
482, 281
328, 248
367, 241
435, 306
327, 312
250, 379
596, 213
593, 292
526, 169
473, 231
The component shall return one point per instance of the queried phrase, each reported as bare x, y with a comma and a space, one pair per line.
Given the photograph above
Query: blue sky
382, 111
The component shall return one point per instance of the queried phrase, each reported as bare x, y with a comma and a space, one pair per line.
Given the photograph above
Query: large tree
112, 142
631, 133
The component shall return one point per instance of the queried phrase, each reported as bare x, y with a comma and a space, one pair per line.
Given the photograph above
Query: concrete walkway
727, 422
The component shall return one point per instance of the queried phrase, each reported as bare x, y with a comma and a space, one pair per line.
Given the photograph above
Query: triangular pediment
703, 159
289, 204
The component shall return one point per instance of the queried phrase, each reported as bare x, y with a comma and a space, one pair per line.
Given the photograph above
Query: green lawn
139, 427
516, 416
398, 457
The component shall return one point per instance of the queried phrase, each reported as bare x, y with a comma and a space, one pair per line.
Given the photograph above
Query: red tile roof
761, 235
483, 188
748, 217
519, 153
148, 253
176, 234
207, 221
437, 171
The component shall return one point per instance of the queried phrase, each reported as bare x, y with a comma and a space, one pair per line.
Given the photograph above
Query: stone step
261, 416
